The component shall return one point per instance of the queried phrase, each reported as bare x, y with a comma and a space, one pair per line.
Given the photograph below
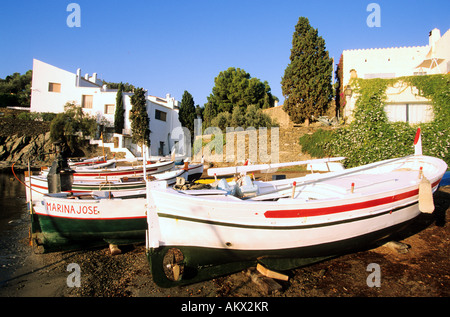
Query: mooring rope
12, 168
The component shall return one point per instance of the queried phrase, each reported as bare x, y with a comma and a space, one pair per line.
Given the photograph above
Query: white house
403, 103
53, 87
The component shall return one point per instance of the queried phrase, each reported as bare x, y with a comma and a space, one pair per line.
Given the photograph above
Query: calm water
14, 224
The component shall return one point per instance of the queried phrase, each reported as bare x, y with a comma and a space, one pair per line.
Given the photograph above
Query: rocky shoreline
20, 150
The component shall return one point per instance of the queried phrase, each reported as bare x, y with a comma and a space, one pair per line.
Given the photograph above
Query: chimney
434, 36
77, 83
94, 78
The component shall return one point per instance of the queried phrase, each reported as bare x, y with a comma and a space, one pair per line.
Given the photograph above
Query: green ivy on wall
370, 137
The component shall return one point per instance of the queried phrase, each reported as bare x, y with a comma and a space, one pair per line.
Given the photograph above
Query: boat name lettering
71, 209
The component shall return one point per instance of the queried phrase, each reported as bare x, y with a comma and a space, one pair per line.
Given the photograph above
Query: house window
420, 113
54, 87
86, 101
110, 109
412, 113
160, 115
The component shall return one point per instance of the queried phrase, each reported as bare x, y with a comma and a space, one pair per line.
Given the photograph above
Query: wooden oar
426, 203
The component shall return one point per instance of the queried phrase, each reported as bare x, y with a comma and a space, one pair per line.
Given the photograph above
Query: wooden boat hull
62, 221
64, 234
326, 218
201, 263
89, 217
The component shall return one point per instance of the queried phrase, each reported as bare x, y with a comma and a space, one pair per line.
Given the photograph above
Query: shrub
36, 116
47, 116
222, 121
71, 127
316, 144
252, 116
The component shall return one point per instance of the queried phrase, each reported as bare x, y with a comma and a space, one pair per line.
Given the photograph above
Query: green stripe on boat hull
55, 233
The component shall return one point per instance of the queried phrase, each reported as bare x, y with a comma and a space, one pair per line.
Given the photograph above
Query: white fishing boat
96, 165
125, 171
85, 161
105, 171
124, 186
196, 235
330, 164
94, 212
64, 221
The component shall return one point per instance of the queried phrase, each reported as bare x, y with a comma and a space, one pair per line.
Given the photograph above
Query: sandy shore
423, 271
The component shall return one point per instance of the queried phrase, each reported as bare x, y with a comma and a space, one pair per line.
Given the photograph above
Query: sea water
14, 224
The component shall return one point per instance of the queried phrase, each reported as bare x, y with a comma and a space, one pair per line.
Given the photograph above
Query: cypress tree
339, 88
306, 83
119, 120
187, 112
139, 118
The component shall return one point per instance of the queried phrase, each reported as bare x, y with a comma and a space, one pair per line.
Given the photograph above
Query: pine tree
119, 120
306, 83
139, 118
187, 112
235, 87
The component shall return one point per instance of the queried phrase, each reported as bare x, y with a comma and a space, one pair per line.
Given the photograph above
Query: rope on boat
12, 168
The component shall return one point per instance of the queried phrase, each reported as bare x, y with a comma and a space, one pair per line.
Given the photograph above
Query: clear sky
172, 46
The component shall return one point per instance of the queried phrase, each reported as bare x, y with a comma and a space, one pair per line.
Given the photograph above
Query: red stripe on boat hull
96, 173
295, 213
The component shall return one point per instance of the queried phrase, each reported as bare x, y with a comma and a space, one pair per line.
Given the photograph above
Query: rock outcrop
21, 149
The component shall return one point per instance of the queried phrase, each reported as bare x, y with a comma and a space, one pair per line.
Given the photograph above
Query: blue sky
173, 46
